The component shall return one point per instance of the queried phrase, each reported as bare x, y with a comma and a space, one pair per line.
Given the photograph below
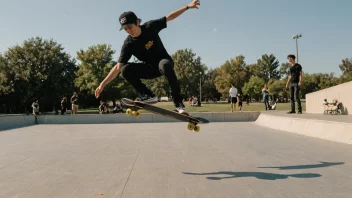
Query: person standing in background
265, 92
233, 97
239, 99
74, 101
294, 82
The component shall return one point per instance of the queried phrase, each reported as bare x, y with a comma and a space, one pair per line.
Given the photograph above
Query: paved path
165, 160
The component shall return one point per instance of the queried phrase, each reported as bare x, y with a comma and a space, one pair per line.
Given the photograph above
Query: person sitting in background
103, 108
117, 108
35, 106
194, 101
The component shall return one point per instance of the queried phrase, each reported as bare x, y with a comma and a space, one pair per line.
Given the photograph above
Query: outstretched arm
178, 12
111, 76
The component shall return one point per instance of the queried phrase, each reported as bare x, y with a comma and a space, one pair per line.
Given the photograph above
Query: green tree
277, 88
346, 68
253, 70
189, 69
233, 71
95, 64
285, 69
253, 88
208, 87
37, 69
268, 65
159, 86
316, 82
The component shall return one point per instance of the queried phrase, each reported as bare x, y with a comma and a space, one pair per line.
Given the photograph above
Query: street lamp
297, 37
200, 86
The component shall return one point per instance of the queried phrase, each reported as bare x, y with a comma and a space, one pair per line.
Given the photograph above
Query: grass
209, 107
226, 107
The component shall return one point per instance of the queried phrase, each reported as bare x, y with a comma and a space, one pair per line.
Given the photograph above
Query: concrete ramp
328, 127
342, 92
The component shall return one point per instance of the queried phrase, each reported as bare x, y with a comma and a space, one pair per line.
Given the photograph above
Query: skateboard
135, 105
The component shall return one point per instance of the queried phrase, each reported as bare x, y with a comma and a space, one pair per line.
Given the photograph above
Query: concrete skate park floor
225, 159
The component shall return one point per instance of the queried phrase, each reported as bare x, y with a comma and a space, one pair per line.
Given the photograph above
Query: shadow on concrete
8, 128
258, 175
344, 110
308, 166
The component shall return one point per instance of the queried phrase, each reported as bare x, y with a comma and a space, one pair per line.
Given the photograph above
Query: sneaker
299, 112
180, 108
291, 112
149, 99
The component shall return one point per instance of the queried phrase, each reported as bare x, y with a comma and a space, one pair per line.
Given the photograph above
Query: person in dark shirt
265, 92
74, 101
144, 43
294, 82
239, 99
103, 108
63, 105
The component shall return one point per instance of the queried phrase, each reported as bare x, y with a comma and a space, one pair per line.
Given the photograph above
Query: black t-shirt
148, 47
63, 103
240, 99
295, 72
74, 99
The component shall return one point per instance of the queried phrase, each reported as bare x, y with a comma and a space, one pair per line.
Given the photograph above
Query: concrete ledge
16, 121
323, 129
144, 118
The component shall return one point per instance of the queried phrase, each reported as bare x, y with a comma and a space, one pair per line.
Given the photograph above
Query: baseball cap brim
125, 25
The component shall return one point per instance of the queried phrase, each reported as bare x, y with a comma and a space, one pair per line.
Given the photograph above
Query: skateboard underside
134, 106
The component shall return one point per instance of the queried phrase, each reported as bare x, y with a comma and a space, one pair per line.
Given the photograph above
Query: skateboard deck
135, 105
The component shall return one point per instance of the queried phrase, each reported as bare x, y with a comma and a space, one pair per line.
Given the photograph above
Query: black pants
134, 72
266, 102
294, 91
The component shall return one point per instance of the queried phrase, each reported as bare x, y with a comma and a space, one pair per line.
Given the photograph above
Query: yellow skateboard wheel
128, 112
137, 114
196, 129
190, 126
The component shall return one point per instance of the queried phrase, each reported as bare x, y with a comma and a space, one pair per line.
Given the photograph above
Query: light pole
200, 86
297, 37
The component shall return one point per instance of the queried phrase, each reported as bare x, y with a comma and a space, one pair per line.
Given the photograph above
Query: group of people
235, 97
104, 108
62, 106
193, 101
74, 104
294, 83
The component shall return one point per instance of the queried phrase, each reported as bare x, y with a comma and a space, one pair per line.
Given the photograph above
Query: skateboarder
144, 43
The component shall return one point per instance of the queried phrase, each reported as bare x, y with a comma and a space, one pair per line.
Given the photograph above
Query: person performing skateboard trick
144, 43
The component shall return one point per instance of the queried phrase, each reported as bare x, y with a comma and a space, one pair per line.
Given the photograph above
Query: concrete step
332, 128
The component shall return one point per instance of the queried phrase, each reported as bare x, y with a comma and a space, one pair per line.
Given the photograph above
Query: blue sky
218, 31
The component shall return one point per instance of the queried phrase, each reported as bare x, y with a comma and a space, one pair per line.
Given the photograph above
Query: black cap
127, 18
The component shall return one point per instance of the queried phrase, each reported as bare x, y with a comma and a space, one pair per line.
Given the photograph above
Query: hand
286, 86
194, 4
299, 83
99, 90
